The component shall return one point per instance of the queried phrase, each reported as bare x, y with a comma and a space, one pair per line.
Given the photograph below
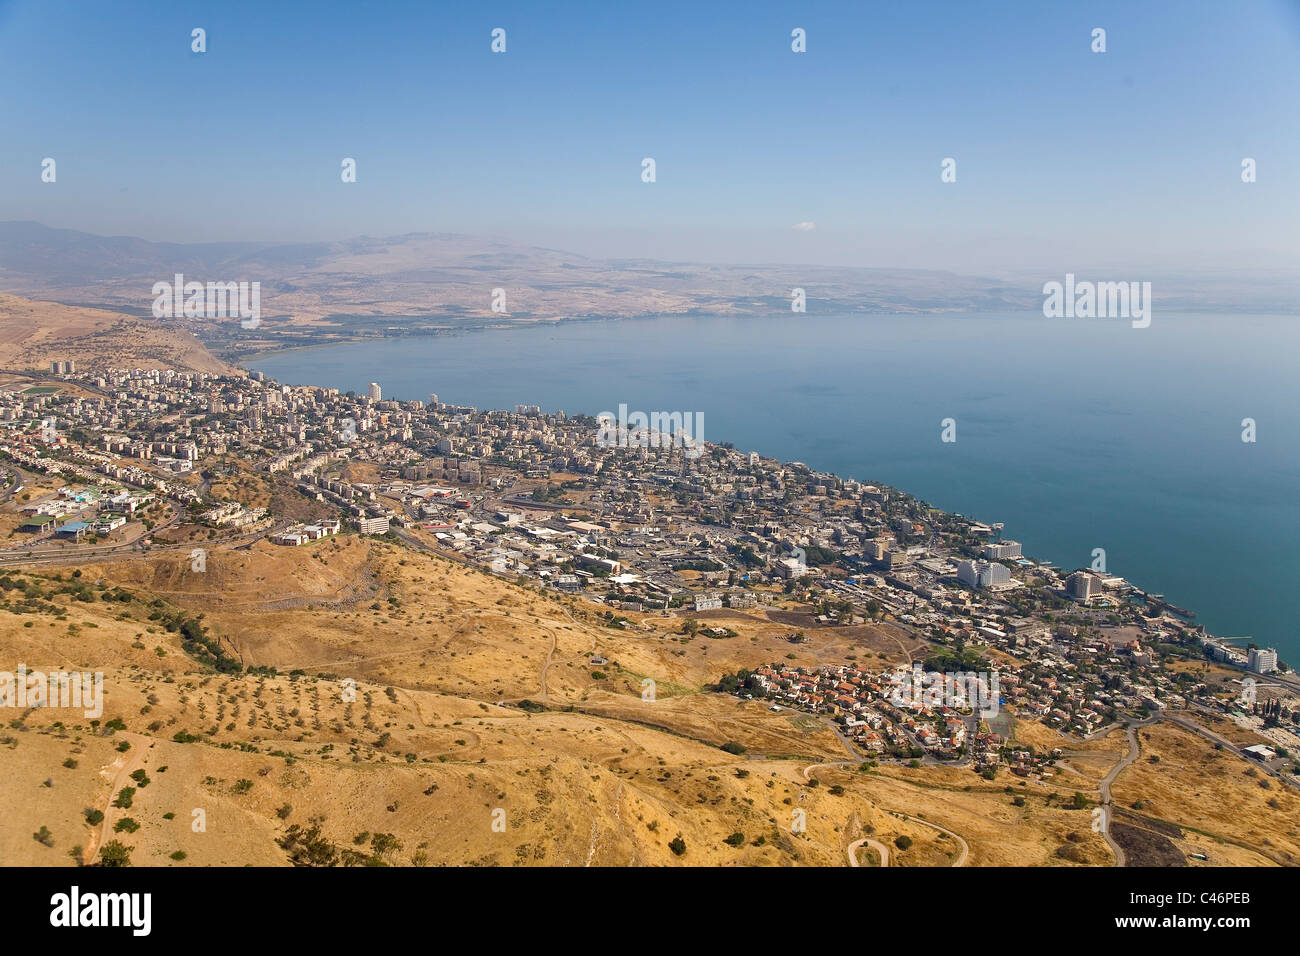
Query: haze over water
1078, 434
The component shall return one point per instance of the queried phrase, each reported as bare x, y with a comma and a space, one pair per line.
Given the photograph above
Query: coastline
872, 415
240, 358
1185, 615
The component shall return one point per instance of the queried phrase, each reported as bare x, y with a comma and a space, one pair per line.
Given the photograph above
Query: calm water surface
1078, 434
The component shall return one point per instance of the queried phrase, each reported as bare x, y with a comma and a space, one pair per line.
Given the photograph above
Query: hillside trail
120, 769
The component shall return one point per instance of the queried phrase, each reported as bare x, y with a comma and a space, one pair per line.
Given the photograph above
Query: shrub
114, 853
308, 847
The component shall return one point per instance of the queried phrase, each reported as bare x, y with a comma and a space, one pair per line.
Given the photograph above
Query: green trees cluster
308, 846
195, 639
742, 679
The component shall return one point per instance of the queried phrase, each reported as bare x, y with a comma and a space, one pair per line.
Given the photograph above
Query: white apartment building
1262, 661
983, 574
1002, 550
1081, 586
373, 525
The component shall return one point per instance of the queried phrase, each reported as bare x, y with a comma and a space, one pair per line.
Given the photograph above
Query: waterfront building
1081, 586
1262, 661
1002, 550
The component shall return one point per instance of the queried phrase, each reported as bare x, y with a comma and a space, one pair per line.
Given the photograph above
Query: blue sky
1065, 158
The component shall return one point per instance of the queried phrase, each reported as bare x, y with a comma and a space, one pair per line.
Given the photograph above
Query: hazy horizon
443, 280
1066, 159
1028, 275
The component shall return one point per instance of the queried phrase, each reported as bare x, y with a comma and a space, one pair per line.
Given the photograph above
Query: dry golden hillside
32, 334
406, 709
1182, 779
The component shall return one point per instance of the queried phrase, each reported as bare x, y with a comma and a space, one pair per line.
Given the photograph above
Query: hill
445, 280
32, 334
474, 703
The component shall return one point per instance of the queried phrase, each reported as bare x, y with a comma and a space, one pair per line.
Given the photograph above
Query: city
742, 442
636, 525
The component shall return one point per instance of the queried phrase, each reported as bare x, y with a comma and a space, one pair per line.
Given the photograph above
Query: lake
1077, 433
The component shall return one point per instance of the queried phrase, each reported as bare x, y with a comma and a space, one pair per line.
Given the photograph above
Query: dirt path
618, 824
546, 664
874, 844
1134, 749
965, 847
555, 643
120, 769
902, 648
813, 766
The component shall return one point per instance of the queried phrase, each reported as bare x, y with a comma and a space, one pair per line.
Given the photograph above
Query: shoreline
969, 497
1134, 594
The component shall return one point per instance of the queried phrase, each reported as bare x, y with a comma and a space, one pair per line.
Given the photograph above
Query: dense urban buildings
636, 525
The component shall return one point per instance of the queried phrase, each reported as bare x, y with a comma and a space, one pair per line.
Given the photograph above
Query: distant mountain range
427, 281
453, 277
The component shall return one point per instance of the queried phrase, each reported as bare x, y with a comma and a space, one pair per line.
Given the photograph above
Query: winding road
874, 844
1134, 749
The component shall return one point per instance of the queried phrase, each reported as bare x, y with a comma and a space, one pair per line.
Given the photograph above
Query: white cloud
805, 226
